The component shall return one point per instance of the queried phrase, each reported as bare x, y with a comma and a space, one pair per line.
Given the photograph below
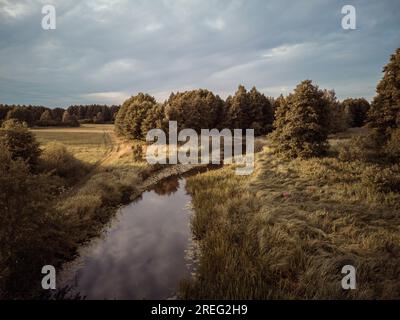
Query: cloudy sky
104, 51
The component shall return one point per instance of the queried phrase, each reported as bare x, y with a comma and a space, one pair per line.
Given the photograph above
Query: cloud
217, 24
14, 10
104, 51
107, 97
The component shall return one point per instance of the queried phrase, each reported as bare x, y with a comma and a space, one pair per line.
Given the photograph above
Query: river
145, 251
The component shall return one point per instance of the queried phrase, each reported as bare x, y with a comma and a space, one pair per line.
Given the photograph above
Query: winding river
145, 251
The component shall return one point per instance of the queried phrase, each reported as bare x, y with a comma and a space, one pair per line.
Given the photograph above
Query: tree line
73, 116
202, 109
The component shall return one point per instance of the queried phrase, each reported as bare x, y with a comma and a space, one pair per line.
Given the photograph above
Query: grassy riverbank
286, 231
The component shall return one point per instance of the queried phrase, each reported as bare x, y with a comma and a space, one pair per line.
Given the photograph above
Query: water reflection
142, 254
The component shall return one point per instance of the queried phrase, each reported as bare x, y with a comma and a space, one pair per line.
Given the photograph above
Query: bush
56, 159
381, 179
366, 149
25, 224
22, 144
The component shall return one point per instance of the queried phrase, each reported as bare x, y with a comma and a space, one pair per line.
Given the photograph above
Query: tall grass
287, 231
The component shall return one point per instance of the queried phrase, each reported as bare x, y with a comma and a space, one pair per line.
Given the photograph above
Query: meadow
287, 231
89, 143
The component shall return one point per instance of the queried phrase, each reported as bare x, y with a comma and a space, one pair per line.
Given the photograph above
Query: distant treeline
202, 109
72, 116
196, 109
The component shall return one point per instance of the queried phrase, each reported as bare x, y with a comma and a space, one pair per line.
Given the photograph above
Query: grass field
287, 231
89, 143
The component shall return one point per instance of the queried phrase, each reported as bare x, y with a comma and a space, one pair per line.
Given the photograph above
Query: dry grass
89, 143
287, 231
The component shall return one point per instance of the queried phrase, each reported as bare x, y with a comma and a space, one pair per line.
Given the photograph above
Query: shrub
56, 159
381, 179
362, 148
24, 224
22, 144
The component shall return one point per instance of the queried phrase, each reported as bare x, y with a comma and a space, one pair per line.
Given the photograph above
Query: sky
105, 51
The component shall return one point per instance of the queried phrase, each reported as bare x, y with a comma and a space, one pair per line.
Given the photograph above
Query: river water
144, 253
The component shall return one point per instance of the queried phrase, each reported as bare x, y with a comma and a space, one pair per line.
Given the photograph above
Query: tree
57, 114
69, 120
384, 114
21, 114
196, 109
19, 142
249, 110
46, 119
66, 118
46, 116
135, 115
122, 124
338, 118
356, 111
98, 118
155, 119
262, 112
240, 113
302, 123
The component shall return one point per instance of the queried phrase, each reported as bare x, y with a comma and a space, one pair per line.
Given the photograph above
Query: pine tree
384, 114
240, 113
302, 123
262, 112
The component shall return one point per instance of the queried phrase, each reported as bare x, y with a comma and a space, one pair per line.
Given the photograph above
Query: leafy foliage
197, 109
19, 142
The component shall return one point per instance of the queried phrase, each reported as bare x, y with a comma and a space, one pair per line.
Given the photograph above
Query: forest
71, 117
